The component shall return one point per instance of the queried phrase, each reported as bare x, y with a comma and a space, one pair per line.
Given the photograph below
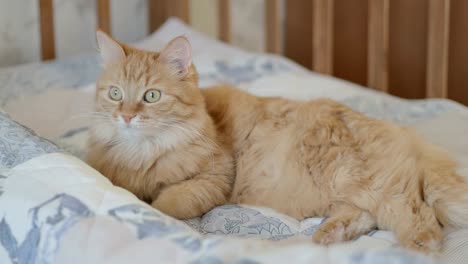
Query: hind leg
414, 224
345, 223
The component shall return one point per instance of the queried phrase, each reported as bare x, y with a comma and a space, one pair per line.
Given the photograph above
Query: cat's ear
110, 50
177, 55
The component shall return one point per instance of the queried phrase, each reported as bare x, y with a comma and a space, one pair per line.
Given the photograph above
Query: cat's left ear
111, 51
177, 55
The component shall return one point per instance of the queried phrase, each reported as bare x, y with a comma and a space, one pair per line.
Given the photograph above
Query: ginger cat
320, 158
152, 134
157, 135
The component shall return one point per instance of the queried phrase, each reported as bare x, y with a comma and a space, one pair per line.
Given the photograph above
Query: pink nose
128, 118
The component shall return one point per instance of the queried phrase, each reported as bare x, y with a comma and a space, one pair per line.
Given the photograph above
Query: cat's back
227, 102
290, 149
241, 115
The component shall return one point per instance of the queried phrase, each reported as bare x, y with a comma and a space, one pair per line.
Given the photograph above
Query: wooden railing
310, 27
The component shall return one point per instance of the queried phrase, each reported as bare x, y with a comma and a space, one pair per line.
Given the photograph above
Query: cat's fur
320, 158
315, 158
170, 153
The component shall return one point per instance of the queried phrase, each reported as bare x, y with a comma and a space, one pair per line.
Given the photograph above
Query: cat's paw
330, 232
163, 206
175, 205
428, 241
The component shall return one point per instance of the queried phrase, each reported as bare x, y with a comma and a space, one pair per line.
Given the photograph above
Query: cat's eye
152, 96
115, 93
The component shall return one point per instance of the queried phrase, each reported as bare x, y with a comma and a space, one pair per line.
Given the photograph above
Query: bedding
53, 207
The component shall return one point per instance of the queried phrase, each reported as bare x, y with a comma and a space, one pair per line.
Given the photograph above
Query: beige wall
75, 21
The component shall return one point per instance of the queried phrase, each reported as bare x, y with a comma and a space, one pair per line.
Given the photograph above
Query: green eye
115, 93
152, 96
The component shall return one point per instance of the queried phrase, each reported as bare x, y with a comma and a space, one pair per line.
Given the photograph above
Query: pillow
19, 143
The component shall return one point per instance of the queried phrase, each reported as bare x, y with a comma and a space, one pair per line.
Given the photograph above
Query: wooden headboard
410, 48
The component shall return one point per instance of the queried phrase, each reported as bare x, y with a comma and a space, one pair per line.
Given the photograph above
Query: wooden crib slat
322, 34
103, 12
378, 26
273, 27
156, 14
224, 20
160, 10
438, 48
180, 9
298, 29
46, 17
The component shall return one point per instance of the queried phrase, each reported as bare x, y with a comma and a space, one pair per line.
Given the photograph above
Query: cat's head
142, 93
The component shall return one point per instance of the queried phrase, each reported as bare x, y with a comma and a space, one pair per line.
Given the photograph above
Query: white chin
124, 126
129, 130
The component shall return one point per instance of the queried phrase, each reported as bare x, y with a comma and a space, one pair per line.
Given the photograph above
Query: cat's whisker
90, 115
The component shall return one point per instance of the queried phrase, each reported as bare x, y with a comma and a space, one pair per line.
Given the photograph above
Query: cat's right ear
110, 50
177, 55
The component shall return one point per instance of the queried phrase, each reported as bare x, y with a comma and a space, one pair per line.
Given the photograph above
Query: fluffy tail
446, 192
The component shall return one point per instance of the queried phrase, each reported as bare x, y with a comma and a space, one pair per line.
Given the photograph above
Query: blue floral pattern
244, 71
45, 230
244, 222
51, 219
35, 78
19, 144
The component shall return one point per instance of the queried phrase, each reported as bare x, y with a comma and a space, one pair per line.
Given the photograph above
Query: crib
412, 49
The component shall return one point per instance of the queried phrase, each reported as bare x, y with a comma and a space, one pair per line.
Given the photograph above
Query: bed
56, 209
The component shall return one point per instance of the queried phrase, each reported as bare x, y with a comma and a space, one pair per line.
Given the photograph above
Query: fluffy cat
314, 158
151, 132
320, 158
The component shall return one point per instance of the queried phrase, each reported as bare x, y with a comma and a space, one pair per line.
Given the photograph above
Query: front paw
427, 241
175, 206
330, 232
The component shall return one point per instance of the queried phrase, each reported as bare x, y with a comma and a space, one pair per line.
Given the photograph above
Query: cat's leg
413, 222
192, 198
345, 223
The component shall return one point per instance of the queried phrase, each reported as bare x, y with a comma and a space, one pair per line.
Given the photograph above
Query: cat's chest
146, 175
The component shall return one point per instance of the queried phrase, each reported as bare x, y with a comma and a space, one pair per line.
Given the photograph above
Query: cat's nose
128, 118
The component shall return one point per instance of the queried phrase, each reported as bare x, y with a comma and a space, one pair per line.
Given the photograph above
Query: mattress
53, 207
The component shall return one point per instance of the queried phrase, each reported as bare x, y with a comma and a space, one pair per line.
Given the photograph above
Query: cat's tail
446, 192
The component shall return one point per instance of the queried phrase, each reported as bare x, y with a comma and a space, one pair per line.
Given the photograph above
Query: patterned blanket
55, 209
